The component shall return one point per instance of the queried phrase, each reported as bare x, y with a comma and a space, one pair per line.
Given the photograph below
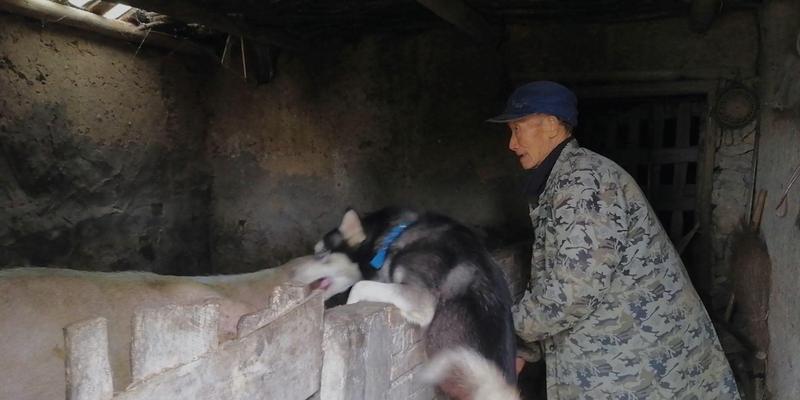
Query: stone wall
398, 120
656, 49
292, 349
386, 120
360, 351
778, 157
101, 153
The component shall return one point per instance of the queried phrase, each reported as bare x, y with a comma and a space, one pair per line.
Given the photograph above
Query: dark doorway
658, 140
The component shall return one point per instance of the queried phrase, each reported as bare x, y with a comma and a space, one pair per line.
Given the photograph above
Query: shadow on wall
67, 201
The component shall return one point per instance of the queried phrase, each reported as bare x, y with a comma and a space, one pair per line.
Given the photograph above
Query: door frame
706, 154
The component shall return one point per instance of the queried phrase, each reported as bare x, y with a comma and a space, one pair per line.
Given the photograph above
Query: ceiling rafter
464, 18
191, 12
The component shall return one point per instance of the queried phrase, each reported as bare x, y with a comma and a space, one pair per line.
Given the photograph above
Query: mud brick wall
361, 351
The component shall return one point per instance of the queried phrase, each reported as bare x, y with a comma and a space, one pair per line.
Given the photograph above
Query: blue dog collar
380, 256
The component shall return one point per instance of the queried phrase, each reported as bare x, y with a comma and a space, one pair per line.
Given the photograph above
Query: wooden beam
645, 89
66, 15
702, 14
577, 77
189, 12
464, 18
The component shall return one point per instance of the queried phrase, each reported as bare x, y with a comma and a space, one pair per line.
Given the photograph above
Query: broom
750, 285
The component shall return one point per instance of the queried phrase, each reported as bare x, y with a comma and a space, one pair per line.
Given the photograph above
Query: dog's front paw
361, 291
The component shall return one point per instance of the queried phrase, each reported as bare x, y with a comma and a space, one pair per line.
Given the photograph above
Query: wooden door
658, 141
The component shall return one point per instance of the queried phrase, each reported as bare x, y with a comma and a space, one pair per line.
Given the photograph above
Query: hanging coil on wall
736, 106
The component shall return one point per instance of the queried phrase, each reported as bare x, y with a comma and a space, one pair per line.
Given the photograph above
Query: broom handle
758, 210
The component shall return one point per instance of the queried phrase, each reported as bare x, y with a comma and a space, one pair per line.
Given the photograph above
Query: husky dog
439, 275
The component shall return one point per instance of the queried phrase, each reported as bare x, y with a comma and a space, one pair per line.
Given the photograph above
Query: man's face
532, 138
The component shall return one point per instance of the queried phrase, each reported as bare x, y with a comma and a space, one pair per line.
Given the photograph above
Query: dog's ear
351, 229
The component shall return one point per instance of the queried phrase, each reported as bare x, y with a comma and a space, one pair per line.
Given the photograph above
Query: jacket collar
537, 179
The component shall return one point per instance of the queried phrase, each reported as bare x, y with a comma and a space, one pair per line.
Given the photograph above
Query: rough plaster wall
398, 120
558, 49
731, 197
100, 154
387, 120
778, 155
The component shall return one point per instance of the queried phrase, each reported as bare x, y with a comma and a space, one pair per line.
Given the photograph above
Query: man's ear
351, 229
552, 126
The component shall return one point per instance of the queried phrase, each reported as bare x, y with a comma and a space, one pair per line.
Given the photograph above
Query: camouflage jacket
609, 298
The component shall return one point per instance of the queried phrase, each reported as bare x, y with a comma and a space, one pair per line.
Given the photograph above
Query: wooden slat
655, 179
668, 191
633, 128
649, 89
611, 134
629, 120
681, 142
684, 125
683, 131
642, 113
676, 202
658, 156
696, 74
676, 225
657, 122
704, 261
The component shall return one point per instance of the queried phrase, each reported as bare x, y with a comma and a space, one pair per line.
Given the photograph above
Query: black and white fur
440, 276
472, 376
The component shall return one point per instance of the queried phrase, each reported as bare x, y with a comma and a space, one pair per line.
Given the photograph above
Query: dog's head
345, 253
348, 238
332, 274
361, 238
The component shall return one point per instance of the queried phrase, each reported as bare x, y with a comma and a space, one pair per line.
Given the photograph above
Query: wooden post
170, 336
87, 365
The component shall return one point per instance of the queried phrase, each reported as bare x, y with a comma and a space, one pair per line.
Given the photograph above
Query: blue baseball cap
541, 97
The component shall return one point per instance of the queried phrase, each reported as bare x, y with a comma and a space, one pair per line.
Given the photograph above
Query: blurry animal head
345, 254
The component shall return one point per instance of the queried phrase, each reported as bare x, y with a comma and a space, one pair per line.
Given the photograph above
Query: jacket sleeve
585, 237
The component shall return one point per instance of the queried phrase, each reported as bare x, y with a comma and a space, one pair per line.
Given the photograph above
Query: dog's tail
463, 373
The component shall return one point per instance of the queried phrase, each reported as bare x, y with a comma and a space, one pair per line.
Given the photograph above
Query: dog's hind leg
462, 373
417, 305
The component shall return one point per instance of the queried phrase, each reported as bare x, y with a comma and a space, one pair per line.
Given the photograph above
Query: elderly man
609, 298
